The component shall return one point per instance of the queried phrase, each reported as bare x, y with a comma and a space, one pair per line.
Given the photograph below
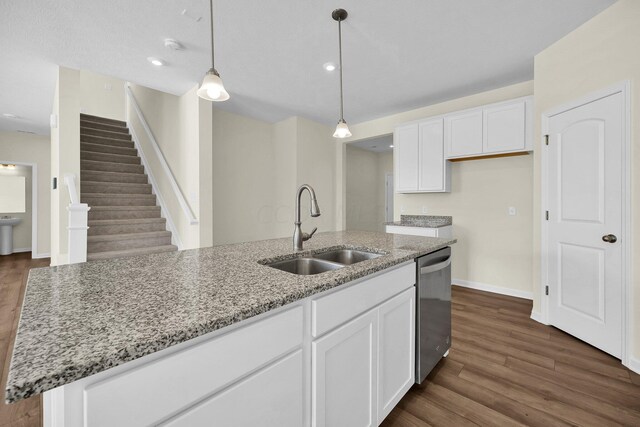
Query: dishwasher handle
435, 267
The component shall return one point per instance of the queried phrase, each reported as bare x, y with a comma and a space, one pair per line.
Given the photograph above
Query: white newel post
78, 220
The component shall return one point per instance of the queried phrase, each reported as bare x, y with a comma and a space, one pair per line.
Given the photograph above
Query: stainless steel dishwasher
433, 310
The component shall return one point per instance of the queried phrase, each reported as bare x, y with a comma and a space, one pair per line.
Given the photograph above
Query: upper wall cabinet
419, 158
504, 127
463, 133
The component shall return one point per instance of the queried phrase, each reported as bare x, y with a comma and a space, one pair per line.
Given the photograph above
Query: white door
405, 157
388, 195
431, 154
585, 219
396, 341
344, 375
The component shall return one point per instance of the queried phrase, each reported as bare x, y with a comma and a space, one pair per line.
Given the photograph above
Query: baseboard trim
493, 289
634, 364
20, 250
44, 255
537, 316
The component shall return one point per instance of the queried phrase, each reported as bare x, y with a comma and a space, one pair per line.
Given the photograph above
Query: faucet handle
306, 236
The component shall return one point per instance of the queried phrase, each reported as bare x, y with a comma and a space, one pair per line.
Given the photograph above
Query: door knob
610, 238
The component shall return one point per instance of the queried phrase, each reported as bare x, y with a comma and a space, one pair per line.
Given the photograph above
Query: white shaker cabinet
504, 128
344, 375
463, 133
396, 358
405, 142
419, 158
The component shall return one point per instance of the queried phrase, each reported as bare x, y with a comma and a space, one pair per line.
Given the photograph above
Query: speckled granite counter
428, 221
81, 319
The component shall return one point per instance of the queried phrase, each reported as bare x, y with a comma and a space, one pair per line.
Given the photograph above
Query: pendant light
342, 130
212, 88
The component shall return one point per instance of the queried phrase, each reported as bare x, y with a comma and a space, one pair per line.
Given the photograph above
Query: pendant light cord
211, 10
340, 51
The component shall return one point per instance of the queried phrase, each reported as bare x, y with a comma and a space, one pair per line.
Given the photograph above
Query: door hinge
546, 290
546, 215
546, 140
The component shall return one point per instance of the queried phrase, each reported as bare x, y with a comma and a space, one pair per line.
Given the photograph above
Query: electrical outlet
424, 209
402, 210
107, 86
512, 211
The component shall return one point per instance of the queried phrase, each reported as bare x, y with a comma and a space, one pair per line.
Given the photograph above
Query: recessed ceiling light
173, 44
10, 116
329, 66
391, 146
155, 61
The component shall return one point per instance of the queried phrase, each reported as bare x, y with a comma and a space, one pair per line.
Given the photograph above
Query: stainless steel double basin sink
321, 262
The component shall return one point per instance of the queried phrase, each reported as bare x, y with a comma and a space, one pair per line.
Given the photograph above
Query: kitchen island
154, 339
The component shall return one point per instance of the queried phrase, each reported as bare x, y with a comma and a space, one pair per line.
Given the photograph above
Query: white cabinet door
504, 128
271, 397
344, 366
463, 133
396, 341
405, 146
433, 168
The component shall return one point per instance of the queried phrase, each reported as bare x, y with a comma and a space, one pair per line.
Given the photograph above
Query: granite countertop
81, 319
426, 221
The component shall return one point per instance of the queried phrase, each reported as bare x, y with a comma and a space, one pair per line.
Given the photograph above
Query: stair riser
118, 245
109, 149
124, 214
106, 141
111, 167
84, 124
129, 178
99, 230
114, 158
119, 201
114, 188
107, 134
97, 119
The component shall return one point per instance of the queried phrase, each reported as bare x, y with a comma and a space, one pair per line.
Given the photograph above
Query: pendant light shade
342, 130
212, 88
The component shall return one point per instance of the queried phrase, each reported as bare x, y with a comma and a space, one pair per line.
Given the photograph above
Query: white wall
65, 157
493, 248
181, 125
102, 96
365, 188
600, 53
18, 147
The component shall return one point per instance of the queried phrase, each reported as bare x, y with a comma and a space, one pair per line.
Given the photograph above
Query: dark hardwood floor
13, 277
505, 369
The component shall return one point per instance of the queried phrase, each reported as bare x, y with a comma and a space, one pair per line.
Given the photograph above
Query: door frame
627, 311
34, 206
387, 176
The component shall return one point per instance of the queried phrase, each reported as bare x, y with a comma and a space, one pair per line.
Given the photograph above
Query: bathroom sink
346, 256
9, 221
305, 266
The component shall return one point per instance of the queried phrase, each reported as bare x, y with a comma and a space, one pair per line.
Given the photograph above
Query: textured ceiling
397, 55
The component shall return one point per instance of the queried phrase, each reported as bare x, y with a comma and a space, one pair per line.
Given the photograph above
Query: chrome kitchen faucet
298, 235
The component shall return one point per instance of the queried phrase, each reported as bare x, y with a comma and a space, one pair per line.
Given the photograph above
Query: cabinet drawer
147, 394
336, 308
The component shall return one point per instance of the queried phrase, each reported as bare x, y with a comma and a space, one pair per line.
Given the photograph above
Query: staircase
124, 219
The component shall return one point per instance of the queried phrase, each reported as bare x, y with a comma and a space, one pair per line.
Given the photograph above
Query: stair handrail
78, 222
163, 162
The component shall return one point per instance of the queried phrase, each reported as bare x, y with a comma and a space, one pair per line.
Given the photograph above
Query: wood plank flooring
505, 369
13, 277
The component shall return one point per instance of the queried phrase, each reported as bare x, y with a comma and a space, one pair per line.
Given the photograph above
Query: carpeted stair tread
105, 176
98, 119
109, 149
102, 166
